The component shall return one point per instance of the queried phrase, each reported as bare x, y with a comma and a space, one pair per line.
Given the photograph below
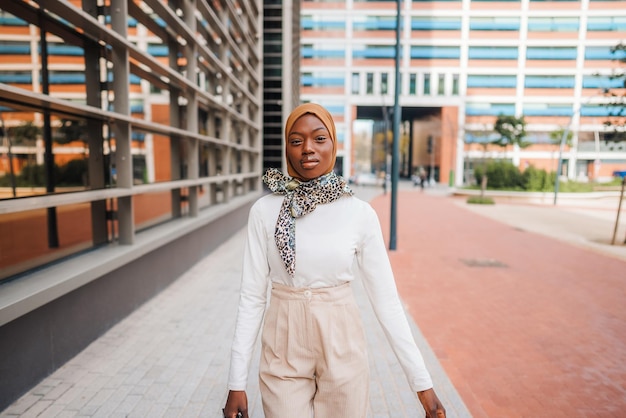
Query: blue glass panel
158, 50
59, 49
491, 81
375, 23
538, 81
67, 78
308, 23
14, 48
603, 82
553, 24
375, 52
494, 24
493, 109
595, 110
435, 23
20, 78
435, 52
493, 52
549, 110
603, 53
9, 20
309, 52
550, 53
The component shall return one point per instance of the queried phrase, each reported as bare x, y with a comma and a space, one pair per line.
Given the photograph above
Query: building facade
463, 63
131, 146
281, 77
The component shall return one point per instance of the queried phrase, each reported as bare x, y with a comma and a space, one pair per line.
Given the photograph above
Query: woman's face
309, 147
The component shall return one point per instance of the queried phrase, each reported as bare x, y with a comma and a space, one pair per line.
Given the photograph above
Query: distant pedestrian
422, 178
314, 353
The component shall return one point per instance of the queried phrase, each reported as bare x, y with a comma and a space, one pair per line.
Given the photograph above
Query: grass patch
480, 200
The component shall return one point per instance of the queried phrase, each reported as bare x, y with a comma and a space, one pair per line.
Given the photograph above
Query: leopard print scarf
300, 198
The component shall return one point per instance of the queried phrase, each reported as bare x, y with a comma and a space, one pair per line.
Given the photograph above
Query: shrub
535, 180
500, 175
480, 200
73, 173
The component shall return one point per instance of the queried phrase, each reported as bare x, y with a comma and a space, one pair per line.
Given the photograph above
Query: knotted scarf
300, 198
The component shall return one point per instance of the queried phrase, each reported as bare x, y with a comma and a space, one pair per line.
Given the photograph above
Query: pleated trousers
314, 354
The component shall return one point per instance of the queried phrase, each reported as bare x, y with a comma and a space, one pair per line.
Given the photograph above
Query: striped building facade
463, 63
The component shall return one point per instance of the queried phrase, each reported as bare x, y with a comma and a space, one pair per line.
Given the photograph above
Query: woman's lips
309, 163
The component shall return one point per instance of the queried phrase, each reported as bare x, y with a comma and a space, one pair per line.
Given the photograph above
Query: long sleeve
252, 301
381, 289
327, 242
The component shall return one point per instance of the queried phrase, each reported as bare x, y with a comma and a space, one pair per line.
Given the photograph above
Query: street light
396, 138
566, 132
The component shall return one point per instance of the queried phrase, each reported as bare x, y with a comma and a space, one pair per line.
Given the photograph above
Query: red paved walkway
544, 336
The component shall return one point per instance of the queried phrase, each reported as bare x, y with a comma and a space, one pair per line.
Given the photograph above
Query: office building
131, 146
463, 63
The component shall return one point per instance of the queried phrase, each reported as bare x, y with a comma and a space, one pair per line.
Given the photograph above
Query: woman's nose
307, 146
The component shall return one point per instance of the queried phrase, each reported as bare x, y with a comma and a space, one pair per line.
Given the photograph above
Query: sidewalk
512, 323
170, 358
526, 314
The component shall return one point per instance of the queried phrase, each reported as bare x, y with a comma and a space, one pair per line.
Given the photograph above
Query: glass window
495, 81
7, 19
426, 84
551, 53
441, 85
489, 109
384, 83
374, 51
553, 24
455, 84
546, 81
16, 77
604, 53
369, 88
412, 83
493, 52
601, 110
602, 82
495, 23
547, 109
321, 51
429, 52
374, 23
324, 22
435, 23
356, 83
323, 79
606, 23
14, 48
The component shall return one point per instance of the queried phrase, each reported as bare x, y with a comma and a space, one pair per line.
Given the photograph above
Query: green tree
617, 99
71, 130
25, 134
511, 131
556, 136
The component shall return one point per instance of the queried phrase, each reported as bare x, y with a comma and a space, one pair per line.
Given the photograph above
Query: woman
308, 240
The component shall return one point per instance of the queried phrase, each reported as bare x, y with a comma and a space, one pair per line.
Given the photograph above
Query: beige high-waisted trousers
313, 354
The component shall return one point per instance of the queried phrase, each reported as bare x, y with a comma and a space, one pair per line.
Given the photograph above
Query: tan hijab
323, 115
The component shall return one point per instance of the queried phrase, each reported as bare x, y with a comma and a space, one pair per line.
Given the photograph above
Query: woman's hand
237, 402
432, 405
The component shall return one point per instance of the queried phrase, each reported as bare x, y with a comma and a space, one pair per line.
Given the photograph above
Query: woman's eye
320, 138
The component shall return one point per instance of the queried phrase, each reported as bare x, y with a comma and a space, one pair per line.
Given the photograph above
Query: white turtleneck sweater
336, 243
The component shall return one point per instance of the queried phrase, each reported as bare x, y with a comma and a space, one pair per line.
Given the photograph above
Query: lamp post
562, 145
396, 138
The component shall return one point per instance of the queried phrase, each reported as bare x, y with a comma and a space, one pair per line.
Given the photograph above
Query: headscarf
302, 197
323, 115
